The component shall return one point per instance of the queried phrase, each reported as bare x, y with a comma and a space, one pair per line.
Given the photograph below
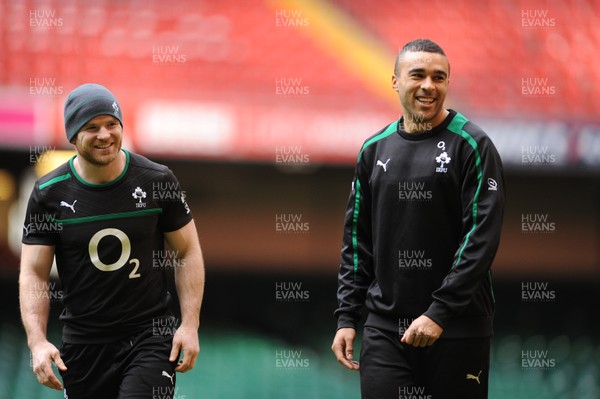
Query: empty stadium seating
241, 50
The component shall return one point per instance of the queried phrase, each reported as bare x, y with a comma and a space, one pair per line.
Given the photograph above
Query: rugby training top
109, 245
421, 230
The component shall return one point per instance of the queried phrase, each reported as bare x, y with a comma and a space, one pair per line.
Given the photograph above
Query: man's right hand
342, 347
43, 355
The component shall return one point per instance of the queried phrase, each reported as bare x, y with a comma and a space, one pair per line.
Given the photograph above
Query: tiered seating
491, 50
226, 49
235, 53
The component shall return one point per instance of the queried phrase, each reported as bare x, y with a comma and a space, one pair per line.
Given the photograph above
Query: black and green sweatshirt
422, 228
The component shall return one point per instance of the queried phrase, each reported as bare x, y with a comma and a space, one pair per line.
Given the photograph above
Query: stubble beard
99, 160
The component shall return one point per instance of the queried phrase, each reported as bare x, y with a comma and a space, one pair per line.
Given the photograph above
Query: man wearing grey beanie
108, 215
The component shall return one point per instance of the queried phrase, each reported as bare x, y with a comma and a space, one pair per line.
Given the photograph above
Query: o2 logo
125, 252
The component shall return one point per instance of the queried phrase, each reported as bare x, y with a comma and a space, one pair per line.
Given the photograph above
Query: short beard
95, 161
103, 161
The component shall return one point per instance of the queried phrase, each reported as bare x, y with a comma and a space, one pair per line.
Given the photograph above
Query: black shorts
449, 369
137, 367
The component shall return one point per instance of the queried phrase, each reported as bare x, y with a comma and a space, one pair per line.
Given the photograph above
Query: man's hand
189, 280
42, 356
422, 332
343, 349
186, 340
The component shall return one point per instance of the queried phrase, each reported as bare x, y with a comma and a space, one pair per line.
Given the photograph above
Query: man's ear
394, 83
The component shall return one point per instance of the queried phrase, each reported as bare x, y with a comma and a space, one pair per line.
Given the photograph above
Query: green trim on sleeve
54, 180
355, 224
456, 126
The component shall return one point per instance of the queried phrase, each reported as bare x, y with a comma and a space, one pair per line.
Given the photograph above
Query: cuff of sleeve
346, 321
439, 313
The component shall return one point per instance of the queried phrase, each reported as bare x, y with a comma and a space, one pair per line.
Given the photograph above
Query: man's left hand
422, 332
186, 340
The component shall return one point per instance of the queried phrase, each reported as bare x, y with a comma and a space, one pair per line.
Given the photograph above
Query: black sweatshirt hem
460, 327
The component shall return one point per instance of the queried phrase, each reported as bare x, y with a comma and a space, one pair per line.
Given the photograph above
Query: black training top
109, 245
422, 228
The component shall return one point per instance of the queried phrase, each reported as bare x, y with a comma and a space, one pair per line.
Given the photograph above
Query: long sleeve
356, 265
483, 208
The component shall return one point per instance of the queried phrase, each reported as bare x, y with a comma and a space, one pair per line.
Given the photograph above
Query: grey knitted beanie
87, 102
